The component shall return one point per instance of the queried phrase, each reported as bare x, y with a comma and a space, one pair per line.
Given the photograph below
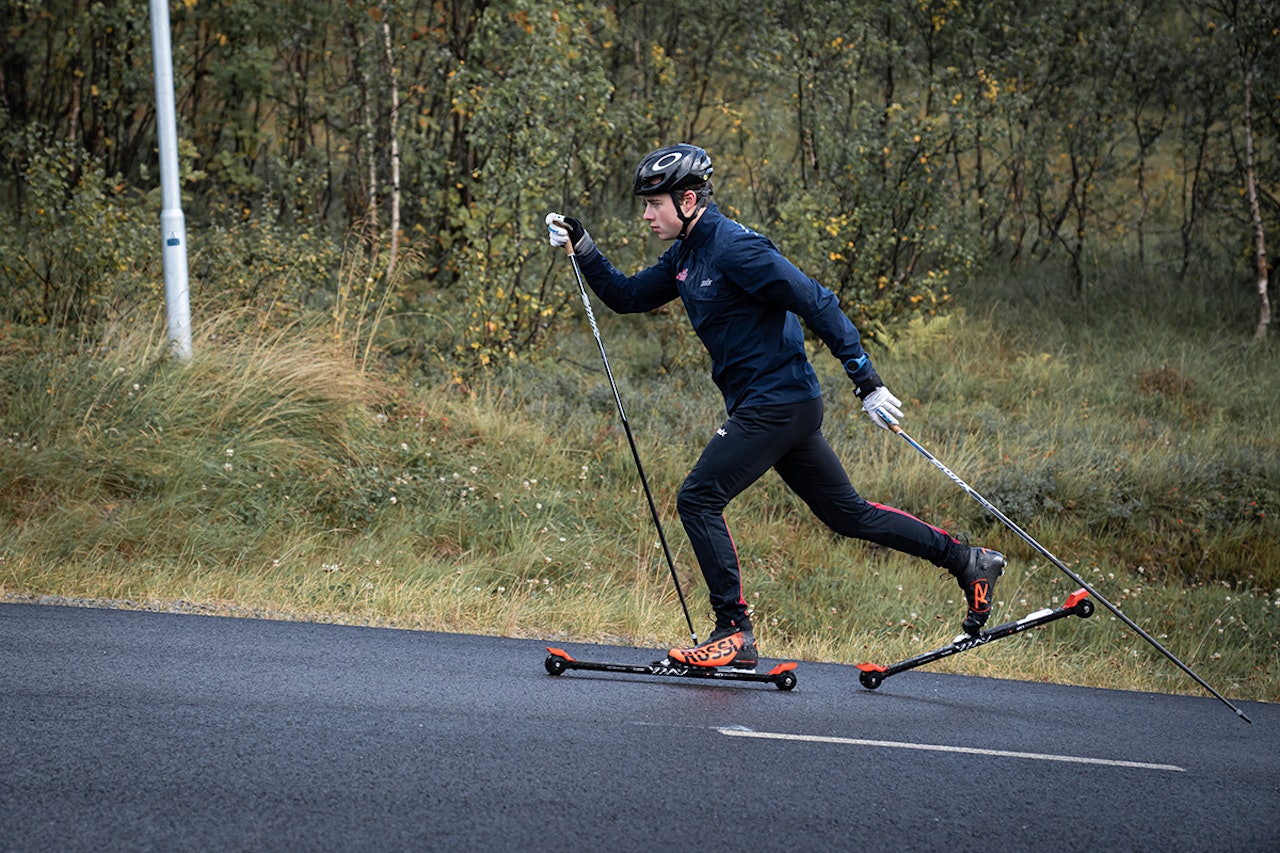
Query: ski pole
626, 427
987, 505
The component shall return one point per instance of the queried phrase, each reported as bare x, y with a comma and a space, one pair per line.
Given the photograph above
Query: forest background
1048, 219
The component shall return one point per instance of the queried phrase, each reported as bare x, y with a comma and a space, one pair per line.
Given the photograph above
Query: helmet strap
677, 197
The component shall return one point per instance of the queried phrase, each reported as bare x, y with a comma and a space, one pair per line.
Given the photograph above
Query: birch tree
1247, 33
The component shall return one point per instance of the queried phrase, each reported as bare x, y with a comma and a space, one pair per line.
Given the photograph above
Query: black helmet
674, 167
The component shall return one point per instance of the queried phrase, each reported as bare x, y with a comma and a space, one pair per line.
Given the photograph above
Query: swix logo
665, 668
963, 644
721, 432
981, 596
683, 274
706, 282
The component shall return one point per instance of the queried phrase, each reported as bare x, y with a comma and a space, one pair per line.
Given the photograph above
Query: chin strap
676, 195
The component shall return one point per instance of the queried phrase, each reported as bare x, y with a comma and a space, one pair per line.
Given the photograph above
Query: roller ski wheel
555, 665
870, 678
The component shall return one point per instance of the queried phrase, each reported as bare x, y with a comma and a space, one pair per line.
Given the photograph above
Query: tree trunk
370, 148
395, 145
1255, 213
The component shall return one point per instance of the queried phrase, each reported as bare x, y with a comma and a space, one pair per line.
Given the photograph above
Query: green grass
272, 476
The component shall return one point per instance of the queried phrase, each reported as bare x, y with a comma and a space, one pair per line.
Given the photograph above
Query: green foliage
78, 252
889, 148
533, 73
874, 219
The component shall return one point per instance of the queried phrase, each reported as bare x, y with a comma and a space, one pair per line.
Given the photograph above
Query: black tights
789, 440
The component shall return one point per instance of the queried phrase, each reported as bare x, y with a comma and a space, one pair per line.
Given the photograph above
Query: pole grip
891, 423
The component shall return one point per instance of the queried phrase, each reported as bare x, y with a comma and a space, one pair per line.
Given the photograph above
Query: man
746, 301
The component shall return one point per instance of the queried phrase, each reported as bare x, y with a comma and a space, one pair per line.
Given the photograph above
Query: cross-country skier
745, 301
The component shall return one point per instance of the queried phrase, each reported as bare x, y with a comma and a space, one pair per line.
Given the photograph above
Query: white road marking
966, 750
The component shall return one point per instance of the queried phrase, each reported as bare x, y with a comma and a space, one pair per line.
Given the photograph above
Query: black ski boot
978, 580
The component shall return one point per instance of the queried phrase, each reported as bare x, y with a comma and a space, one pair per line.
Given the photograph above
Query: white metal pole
173, 229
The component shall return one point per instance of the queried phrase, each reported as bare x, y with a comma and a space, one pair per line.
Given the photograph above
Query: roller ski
1077, 604
726, 656
782, 676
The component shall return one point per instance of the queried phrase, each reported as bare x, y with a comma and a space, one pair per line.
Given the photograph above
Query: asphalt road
125, 730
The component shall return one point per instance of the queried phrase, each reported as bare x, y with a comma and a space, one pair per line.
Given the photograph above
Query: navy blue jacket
743, 298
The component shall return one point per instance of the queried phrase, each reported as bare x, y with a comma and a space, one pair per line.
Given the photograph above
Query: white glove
557, 231
561, 229
882, 407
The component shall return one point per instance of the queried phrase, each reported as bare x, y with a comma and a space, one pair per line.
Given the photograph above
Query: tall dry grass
276, 475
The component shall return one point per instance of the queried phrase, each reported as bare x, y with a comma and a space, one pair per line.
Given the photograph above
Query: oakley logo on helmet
667, 160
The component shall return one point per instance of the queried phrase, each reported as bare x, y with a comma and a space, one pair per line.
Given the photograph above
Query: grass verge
274, 477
